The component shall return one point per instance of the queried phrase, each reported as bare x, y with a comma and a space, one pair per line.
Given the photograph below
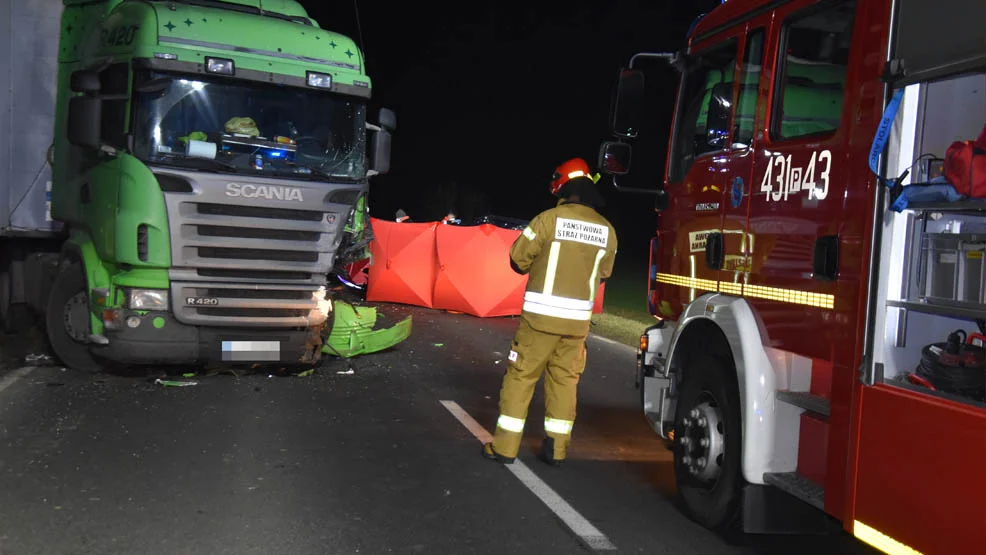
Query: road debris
38, 358
174, 383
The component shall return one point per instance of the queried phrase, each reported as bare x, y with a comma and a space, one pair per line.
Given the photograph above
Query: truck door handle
825, 263
713, 251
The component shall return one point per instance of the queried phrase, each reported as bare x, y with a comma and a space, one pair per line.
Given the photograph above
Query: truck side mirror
627, 103
85, 114
85, 81
387, 119
614, 158
381, 151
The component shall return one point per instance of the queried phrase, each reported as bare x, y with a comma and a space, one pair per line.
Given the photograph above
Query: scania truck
205, 158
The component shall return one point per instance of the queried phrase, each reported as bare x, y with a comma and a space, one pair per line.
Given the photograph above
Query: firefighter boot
548, 452
490, 454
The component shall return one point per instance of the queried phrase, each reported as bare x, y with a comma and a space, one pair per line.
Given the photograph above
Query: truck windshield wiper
318, 172
202, 164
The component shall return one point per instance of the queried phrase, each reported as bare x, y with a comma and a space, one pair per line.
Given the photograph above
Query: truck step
798, 486
808, 401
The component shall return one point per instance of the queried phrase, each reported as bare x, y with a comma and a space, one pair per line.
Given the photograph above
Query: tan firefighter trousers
531, 353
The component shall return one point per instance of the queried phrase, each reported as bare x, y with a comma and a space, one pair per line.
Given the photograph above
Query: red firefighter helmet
570, 169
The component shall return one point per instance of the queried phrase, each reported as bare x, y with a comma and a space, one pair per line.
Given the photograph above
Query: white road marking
583, 528
611, 342
15, 375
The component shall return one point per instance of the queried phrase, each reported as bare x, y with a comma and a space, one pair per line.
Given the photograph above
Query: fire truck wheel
708, 442
67, 320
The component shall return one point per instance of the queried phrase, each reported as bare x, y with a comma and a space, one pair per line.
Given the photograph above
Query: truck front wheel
707, 443
67, 319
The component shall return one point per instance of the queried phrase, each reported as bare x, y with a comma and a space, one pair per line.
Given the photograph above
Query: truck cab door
710, 167
692, 250
737, 173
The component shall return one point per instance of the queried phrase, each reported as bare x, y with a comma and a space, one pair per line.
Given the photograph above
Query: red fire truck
817, 337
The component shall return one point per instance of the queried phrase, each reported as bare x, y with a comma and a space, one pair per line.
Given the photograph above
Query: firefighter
566, 252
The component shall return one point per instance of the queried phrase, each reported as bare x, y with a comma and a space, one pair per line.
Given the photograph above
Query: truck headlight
222, 66
319, 80
148, 299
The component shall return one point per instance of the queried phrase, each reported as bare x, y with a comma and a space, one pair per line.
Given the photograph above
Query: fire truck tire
708, 444
66, 320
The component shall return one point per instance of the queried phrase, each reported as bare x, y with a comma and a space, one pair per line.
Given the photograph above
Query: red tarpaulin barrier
459, 268
403, 267
474, 274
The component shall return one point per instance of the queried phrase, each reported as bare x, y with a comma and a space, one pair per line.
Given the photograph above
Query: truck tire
708, 444
7, 322
66, 320
13, 317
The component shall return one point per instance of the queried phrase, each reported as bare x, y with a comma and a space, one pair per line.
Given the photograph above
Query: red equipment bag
965, 166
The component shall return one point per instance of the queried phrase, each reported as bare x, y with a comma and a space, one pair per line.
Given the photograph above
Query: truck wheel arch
80, 248
728, 327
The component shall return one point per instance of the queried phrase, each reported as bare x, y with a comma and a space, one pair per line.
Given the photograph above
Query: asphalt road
336, 463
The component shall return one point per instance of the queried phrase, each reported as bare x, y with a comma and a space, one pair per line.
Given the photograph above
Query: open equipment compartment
932, 274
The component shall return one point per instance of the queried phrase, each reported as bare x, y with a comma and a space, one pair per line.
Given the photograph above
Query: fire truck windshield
706, 94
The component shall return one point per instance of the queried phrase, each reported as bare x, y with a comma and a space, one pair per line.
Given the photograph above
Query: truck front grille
225, 304
258, 212
248, 265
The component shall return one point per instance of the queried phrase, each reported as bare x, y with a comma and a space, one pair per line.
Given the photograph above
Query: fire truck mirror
627, 103
614, 158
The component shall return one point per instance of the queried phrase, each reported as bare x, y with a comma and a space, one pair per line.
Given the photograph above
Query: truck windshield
245, 127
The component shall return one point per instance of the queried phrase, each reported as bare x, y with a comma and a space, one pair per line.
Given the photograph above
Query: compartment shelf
972, 205
971, 312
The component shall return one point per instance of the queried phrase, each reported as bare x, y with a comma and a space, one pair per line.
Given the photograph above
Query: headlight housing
147, 299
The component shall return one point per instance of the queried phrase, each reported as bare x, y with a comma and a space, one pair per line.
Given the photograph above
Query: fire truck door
691, 232
737, 171
799, 176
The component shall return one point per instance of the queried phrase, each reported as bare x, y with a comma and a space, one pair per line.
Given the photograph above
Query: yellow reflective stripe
529, 233
691, 283
731, 288
549, 277
791, 296
510, 424
881, 541
595, 272
576, 173
557, 426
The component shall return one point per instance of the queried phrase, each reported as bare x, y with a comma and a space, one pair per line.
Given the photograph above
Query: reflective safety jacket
566, 251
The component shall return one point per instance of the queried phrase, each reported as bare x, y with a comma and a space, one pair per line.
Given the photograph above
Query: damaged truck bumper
353, 334
158, 338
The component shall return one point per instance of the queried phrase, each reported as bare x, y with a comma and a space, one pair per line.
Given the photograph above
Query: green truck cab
208, 160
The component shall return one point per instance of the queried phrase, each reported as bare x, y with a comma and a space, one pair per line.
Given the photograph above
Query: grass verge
625, 314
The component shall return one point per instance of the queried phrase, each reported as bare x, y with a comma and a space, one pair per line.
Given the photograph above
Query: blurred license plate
252, 351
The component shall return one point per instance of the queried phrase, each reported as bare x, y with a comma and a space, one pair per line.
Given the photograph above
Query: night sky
491, 97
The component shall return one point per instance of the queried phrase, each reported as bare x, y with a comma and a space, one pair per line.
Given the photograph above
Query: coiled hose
955, 367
